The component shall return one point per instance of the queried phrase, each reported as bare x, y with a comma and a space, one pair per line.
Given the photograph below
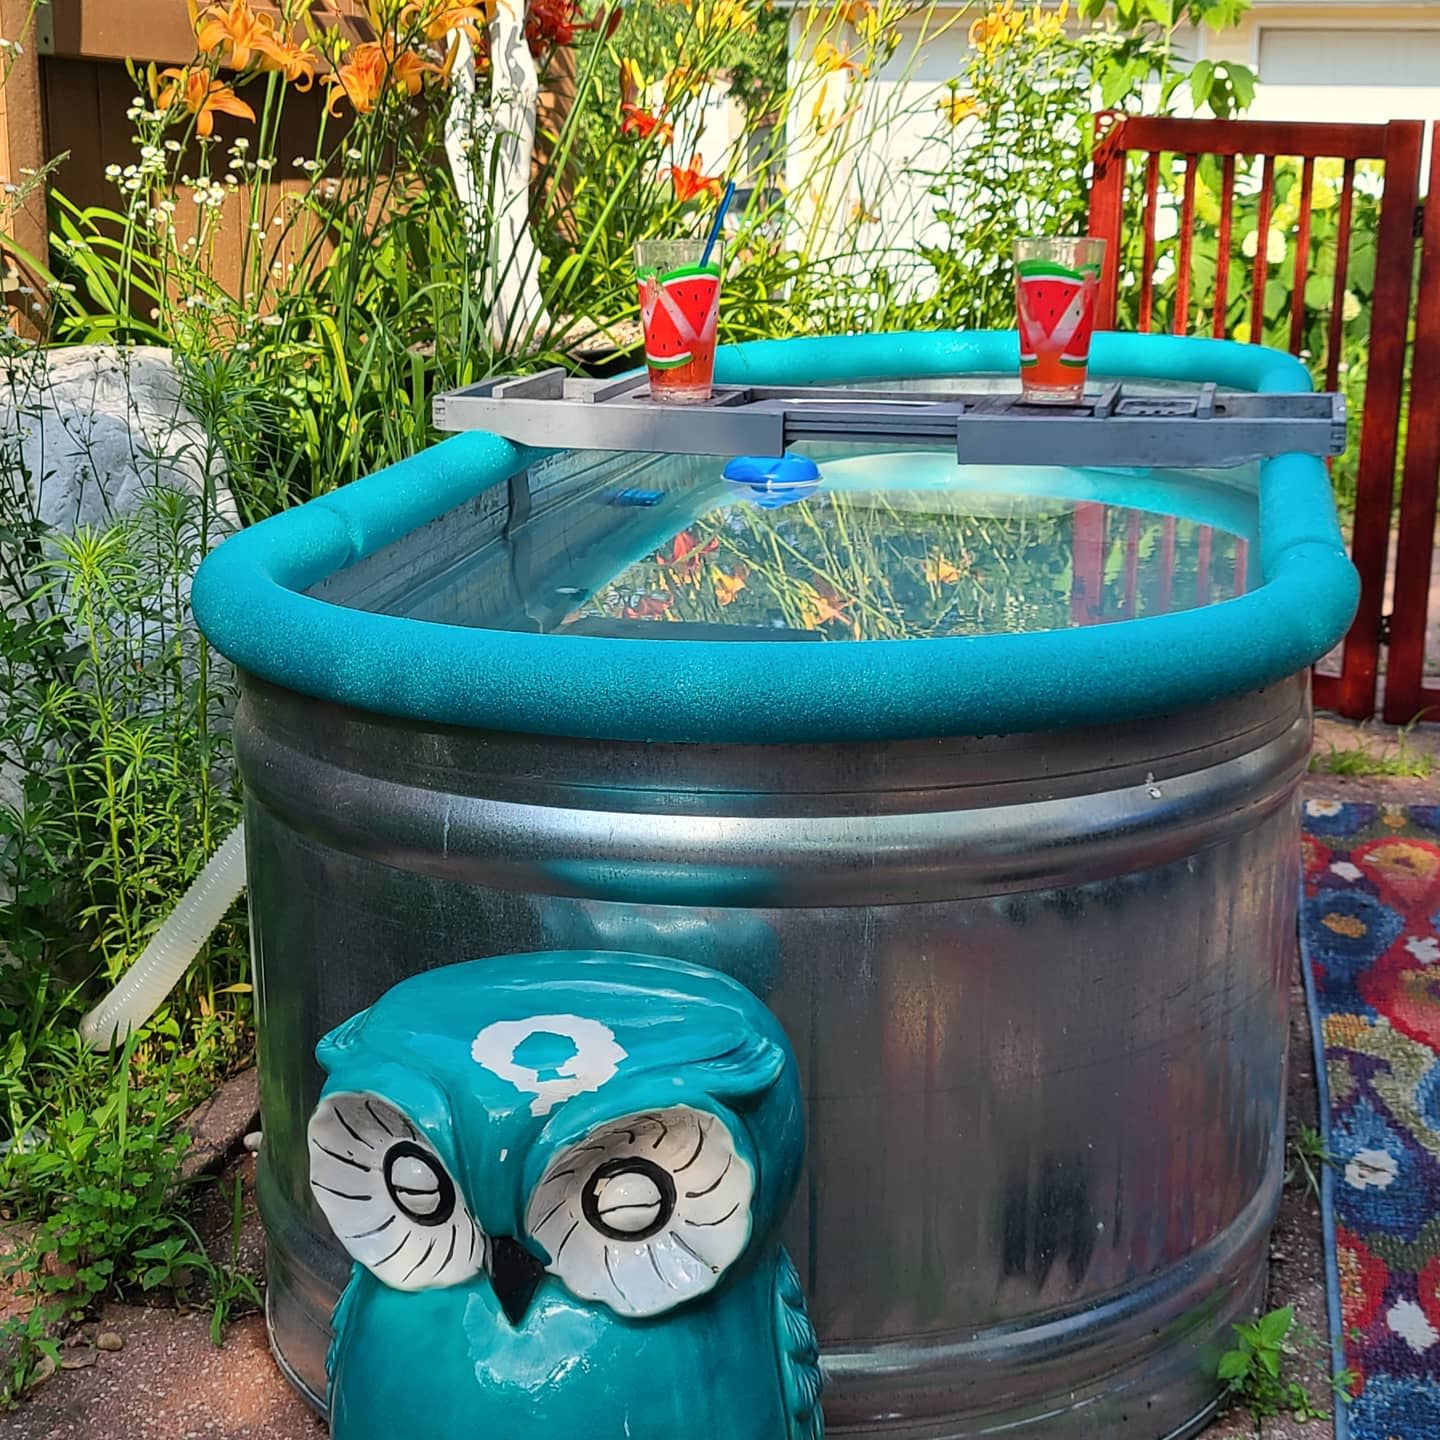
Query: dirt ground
166, 1381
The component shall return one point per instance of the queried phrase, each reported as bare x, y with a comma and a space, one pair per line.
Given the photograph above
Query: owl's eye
646, 1212
388, 1196
628, 1198
418, 1184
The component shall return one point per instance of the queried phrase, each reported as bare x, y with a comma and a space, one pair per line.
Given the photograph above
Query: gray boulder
94, 427
86, 434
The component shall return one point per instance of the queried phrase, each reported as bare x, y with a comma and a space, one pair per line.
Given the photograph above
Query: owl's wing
339, 1319
799, 1355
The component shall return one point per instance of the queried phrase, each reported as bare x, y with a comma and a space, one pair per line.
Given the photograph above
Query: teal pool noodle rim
248, 599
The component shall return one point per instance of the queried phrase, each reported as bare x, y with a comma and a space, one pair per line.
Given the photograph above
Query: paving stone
218, 1126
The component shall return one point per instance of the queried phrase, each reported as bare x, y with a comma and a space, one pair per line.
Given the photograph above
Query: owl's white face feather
646, 1212
388, 1196
642, 1214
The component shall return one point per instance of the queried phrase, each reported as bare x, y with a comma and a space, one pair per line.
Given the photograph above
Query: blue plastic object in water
561, 1178
773, 482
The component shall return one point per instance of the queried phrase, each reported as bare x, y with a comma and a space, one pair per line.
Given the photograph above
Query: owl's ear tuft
333, 1047
745, 1071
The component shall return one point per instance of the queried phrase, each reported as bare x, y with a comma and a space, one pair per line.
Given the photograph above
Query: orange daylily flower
374, 67
852, 12
203, 97
690, 182
830, 59
720, 18
685, 80
956, 107
556, 22
1047, 25
824, 122
644, 124
632, 82
686, 557
994, 31
825, 607
649, 607
727, 587
238, 32
439, 17
940, 571
297, 63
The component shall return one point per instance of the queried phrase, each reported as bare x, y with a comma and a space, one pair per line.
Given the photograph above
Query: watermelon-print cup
1056, 282
679, 309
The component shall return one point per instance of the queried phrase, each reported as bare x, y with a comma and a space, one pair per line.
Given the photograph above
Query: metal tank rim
248, 600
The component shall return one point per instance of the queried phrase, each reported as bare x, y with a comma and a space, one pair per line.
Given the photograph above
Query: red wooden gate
1132, 157
1407, 696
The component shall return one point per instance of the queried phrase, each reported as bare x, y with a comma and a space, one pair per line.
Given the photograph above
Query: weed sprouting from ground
1356, 760
1309, 1156
1254, 1371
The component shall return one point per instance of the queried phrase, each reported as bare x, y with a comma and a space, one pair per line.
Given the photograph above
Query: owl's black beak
514, 1275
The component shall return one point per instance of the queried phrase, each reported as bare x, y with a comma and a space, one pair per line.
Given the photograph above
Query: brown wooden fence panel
22, 147
1406, 693
85, 90
1397, 146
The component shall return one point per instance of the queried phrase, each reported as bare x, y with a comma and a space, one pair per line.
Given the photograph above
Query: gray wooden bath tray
1115, 426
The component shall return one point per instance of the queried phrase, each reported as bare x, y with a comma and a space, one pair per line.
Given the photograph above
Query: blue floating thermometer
774, 480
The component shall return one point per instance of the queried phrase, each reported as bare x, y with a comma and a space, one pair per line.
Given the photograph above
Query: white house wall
1315, 60
908, 136
1328, 62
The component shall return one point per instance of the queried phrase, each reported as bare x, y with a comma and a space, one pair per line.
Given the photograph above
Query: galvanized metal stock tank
1024, 903
1037, 985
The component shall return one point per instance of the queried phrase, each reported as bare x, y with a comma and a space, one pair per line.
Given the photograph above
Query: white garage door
1350, 57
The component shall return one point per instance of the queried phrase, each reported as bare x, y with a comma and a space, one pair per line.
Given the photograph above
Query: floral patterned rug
1368, 932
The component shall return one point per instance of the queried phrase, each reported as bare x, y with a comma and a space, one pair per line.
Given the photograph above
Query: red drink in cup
1056, 284
679, 311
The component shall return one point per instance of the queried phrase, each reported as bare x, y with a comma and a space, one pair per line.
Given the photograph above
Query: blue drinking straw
719, 221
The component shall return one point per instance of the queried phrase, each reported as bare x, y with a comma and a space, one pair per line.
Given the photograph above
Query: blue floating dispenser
774, 480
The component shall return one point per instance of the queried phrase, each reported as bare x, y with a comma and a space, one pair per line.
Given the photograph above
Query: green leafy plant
180, 1263
1253, 1371
29, 1350
1016, 134
1357, 760
1310, 1154
172, 1264
102, 1188
231, 1290
1145, 49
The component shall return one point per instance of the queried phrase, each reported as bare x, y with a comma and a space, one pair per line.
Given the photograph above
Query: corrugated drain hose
174, 945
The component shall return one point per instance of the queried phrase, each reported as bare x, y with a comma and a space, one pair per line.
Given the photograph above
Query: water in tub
892, 544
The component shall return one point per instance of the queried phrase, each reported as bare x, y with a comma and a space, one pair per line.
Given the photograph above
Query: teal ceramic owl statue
561, 1177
